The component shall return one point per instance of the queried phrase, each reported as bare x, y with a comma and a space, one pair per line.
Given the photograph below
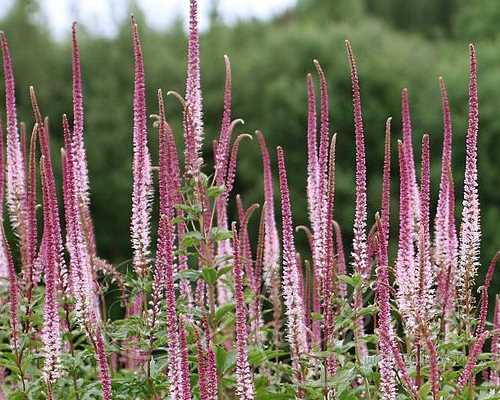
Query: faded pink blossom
245, 387
470, 231
290, 283
141, 170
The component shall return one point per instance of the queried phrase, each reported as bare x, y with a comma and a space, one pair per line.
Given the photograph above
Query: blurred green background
397, 43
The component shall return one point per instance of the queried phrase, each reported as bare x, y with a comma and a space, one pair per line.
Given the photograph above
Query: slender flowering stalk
78, 121
440, 225
193, 86
141, 192
104, 374
495, 343
474, 353
386, 360
405, 266
484, 294
291, 286
15, 162
245, 389
271, 241
360, 243
340, 259
408, 143
385, 211
470, 232
433, 364
4, 269
13, 292
51, 335
425, 275
64, 279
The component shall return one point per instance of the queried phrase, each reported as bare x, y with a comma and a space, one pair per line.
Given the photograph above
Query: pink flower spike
474, 353
245, 388
78, 121
15, 163
341, 263
142, 189
51, 334
61, 270
6, 256
321, 195
484, 294
426, 277
433, 366
102, 361
440, 225
470, 232
408, 143
360, 240
495, 341
290, 284
405, 265
271, 241
193, 84
385, 213
386, 359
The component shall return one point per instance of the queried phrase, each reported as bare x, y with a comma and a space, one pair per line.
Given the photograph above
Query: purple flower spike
470, 232
405, 265
474, 353
271, 241
495, 341
484, 294
291, 287
15, 162
408, 143
51, 334
386, 189
78, 121
360, 239
425, 296
386, 360
245, 388
142, 190
193, 85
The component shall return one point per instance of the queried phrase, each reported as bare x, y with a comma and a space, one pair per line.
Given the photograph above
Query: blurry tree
396, 46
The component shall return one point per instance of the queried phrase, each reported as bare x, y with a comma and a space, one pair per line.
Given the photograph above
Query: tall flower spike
50, 183
341, 263
408, 143
290, 286
426, 276
141, 192
440, 225
360, 243
193, 83
474, 354
495, 342
405, 265
15, 163
386, 359
484, 294
319, 228
4, 267
312, 158
87, 305
221, 162
13, 292
245, 388
80, 157
271, 241
31, 201
386, 187
470, 232
51, 334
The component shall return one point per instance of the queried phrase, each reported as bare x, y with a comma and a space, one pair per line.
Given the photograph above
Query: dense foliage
209, 308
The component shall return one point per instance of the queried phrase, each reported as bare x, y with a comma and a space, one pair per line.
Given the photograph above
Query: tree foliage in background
397, 47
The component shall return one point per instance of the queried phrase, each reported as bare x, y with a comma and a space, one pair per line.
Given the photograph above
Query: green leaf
191, 239
215, 191
219, 235
209, 275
